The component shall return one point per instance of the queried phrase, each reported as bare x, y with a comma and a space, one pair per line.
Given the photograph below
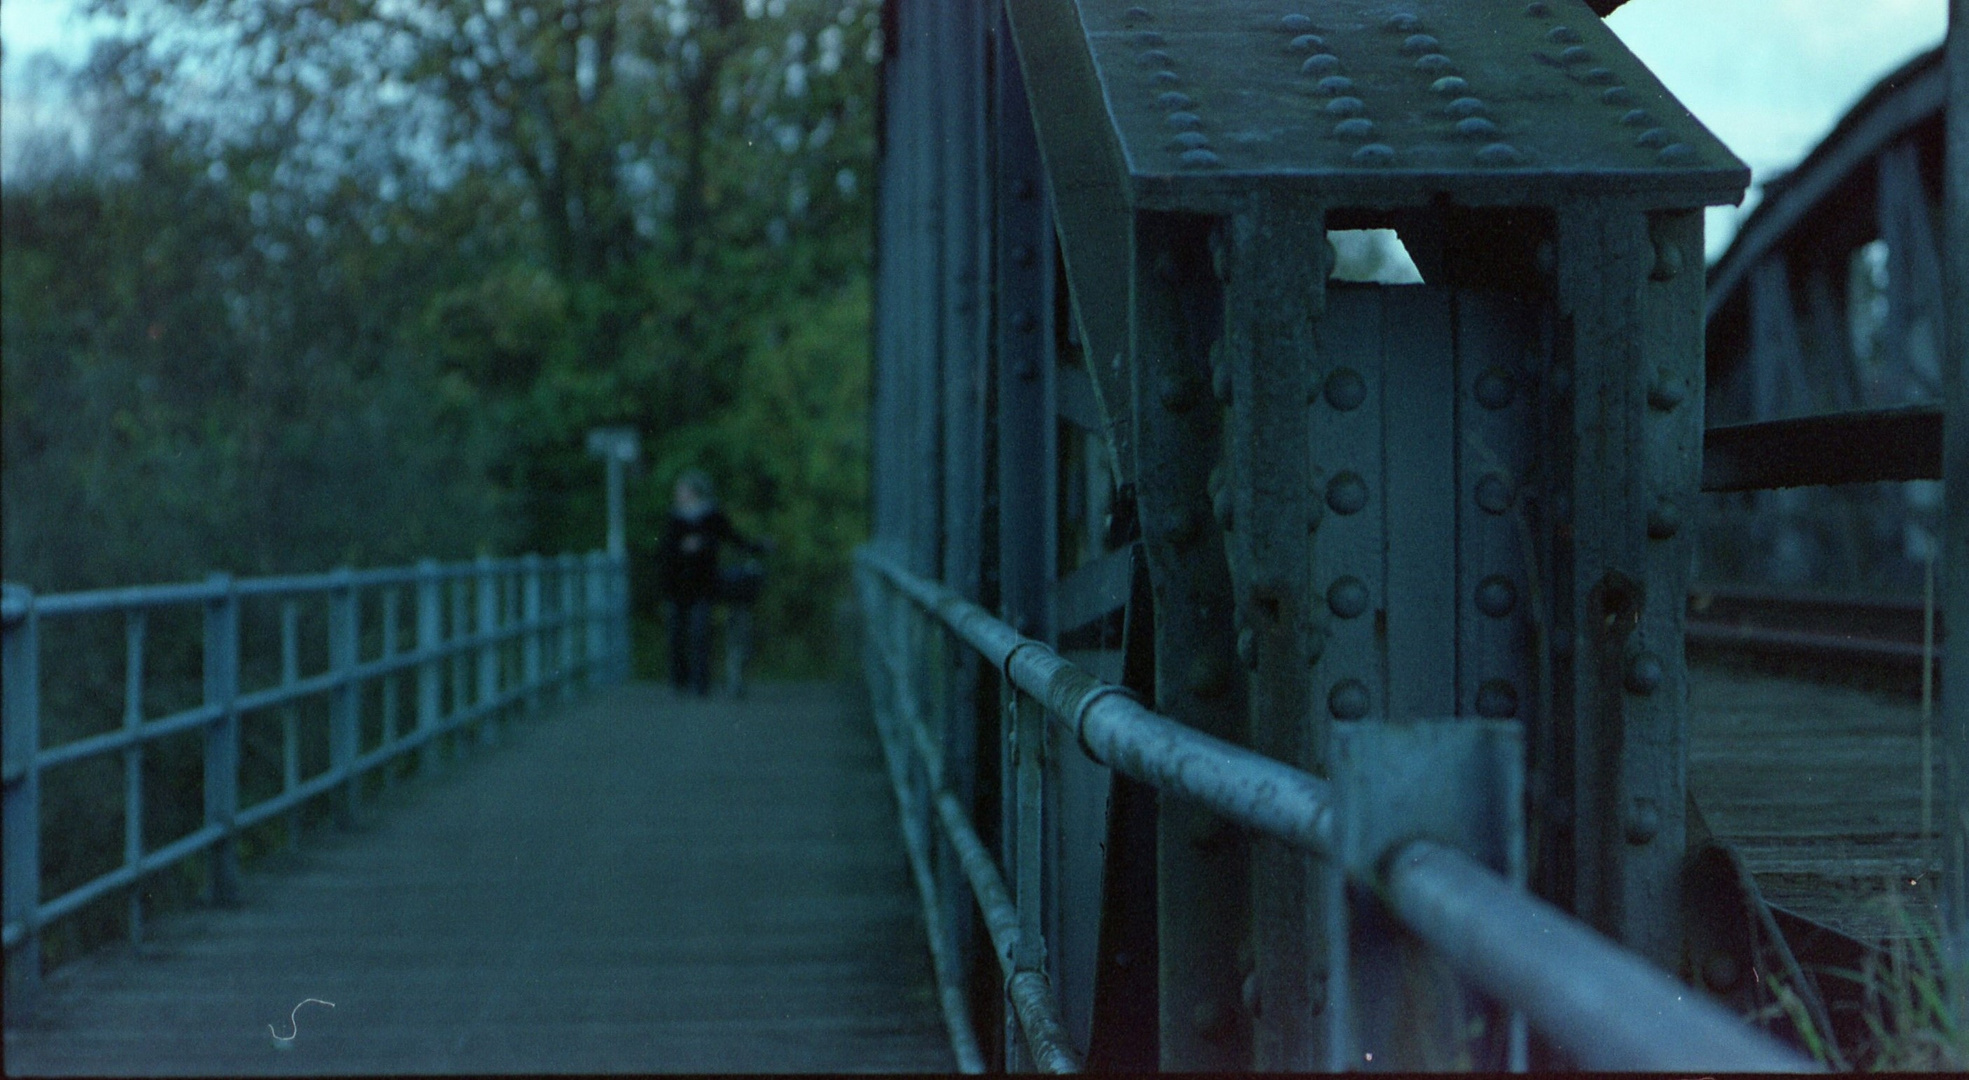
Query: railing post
222, 737
392, 604
568, 622
343, 727
1028, 747
133, 762
460, 662
619, 612
21, 668
290, 741
486, 587
596, 615
530, 615
430, 672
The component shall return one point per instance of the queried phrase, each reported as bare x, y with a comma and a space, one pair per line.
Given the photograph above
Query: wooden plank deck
1818, 787
641, 883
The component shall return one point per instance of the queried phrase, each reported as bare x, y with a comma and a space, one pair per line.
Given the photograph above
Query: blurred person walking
688, 572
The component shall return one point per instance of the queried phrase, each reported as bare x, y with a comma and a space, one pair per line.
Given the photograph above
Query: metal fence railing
519, 632
1603, 1006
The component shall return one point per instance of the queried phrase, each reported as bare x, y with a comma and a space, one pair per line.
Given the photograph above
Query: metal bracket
1458, 782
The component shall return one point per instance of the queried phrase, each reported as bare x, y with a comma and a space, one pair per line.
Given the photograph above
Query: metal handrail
1604, 1006
584, 636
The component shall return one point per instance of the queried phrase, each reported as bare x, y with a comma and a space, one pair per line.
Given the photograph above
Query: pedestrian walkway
642, 882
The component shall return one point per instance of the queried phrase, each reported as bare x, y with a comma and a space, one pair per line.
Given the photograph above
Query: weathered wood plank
644, 883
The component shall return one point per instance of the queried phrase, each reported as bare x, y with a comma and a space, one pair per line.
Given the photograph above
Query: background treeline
348, 283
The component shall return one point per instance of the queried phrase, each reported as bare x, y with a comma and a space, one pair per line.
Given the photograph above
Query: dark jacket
688, 557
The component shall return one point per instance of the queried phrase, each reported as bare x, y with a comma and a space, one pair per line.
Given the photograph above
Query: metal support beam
1954, 727
221, 676
1175, 313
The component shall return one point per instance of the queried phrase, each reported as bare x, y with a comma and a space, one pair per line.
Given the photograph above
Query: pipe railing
541, 628
1605, 1007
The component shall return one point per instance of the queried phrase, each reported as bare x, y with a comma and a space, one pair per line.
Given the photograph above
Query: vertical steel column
486, 586
1955, 526
568, 569
1630, 328
460, 631
530, 616
221, 679
133, 761
1203, 887
20, 726
290, 736
430, 672
344, 701
596, 614
1272, 259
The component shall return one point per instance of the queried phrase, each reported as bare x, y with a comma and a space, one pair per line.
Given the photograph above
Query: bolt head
1346, 493
1664, 521
1494, 494
1295, 23
1320, 64
1496, 596
1645, 673
1667, 391
1494, 388
1347, 597
1345, 389
1450, 86
1348, 700
1642, 822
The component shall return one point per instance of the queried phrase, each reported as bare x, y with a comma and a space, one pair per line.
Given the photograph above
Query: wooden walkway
641, 883
1819, 789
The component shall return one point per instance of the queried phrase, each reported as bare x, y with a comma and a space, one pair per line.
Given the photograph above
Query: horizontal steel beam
1832, 448
1531, 955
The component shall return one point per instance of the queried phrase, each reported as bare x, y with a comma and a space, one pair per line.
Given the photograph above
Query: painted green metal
1954, 728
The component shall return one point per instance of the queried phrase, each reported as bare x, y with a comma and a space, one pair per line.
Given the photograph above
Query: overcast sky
1769, 77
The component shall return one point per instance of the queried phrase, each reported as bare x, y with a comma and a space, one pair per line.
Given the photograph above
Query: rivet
1637, 118
1177, 393
1417, 44
1375, 154
1190, 140
1562, 35
1137, 15
1156, 58
1653, 138
1537, 9
1449, 86
1023, 254
1497, 700
1494, 388
1166, 78
1307, 43
1494, 493
1644, 673
1574, 55
1346, 106
1200, 158
1668, 260
1149, 39
1182, 120
1465, 106
1347, 493
1295, 23
1335, 85
1247, 648
1220, 383
1499, 154
1434, 64
1347, 597
1496, 596
1345, 389
1173, 100
1664, 520
1023, 322
1403, 23
1357, 128
1348, 700
1222, 505
1596, 76
1476, 127
1320, 64
1616, 95
1667, 391
1678, 154
1208, 676
1642, 822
